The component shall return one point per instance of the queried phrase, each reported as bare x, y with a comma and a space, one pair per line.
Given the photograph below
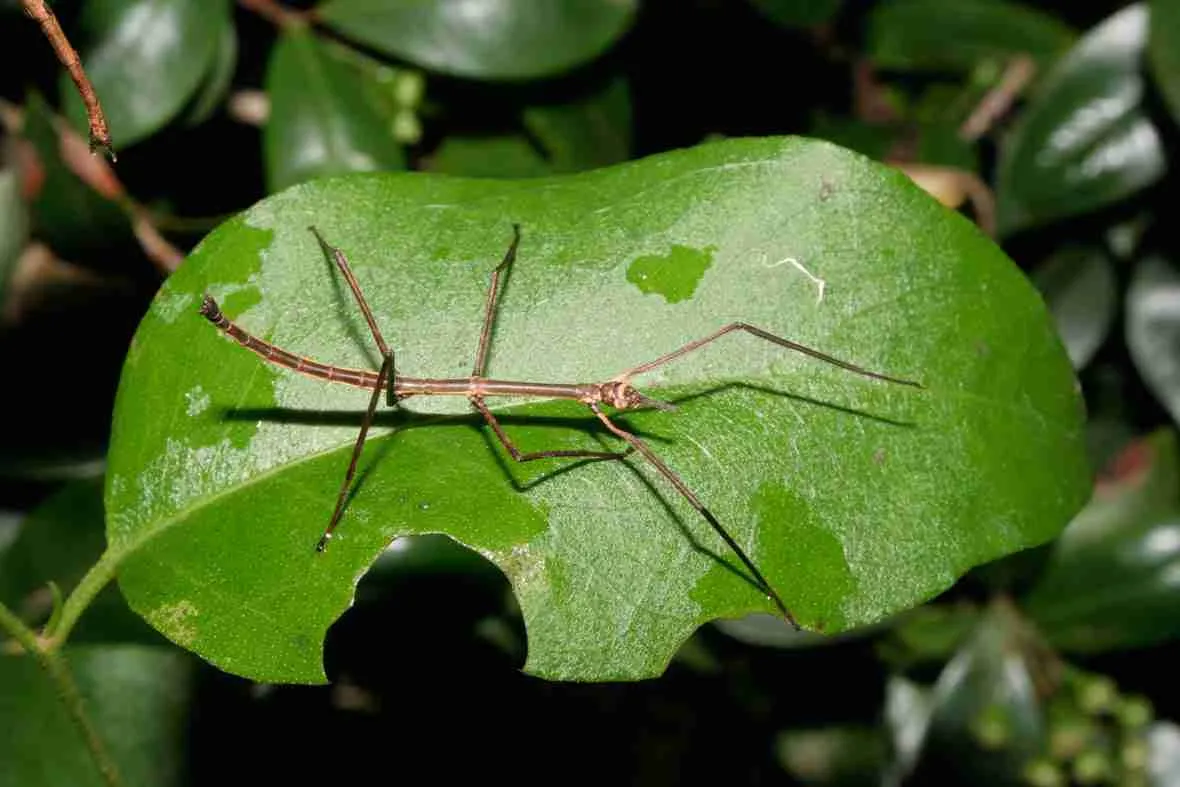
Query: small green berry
1043, 773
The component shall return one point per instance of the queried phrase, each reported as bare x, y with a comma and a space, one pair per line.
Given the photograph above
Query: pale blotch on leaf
198, 401
176, 620
172, 304
675, 275
519, 564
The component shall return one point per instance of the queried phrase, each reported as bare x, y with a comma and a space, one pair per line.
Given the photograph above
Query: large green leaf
855, 497
146, 59
322, 119
503, 39
932, 34
509, 155
1085, 140
136, 698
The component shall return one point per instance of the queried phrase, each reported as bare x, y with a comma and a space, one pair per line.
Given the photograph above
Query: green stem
19, 631
95, 580
59, 674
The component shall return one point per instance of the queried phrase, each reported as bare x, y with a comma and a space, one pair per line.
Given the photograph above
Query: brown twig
1017, 76
159, 249
275, 13
100, 135
97, 175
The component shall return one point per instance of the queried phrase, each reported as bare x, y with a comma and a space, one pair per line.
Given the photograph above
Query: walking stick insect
616, 393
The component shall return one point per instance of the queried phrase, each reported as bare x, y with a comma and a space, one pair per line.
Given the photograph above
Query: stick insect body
616, 393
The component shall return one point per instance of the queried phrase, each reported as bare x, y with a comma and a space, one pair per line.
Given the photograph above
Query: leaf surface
217, 81
931, 34
146, 58
501, 39
137, 698
855, 497
509, 155
583, 132
323, 120
1086, 140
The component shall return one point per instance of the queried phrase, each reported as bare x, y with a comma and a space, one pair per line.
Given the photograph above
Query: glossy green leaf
986, 721
485, 39
1079, 285
321, 121
146, 58
798, 13
1153, 329
1164, 51
907, 716
931, 34
1085, 141
1129, 536
855, 497
587, 132
217, 81
14, 225
496, 156
137, 698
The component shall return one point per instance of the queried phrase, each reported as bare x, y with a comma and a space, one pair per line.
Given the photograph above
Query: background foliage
1049, 124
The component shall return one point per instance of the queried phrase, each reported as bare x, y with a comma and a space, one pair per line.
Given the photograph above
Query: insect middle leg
346, 271
489, 314
385, 379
